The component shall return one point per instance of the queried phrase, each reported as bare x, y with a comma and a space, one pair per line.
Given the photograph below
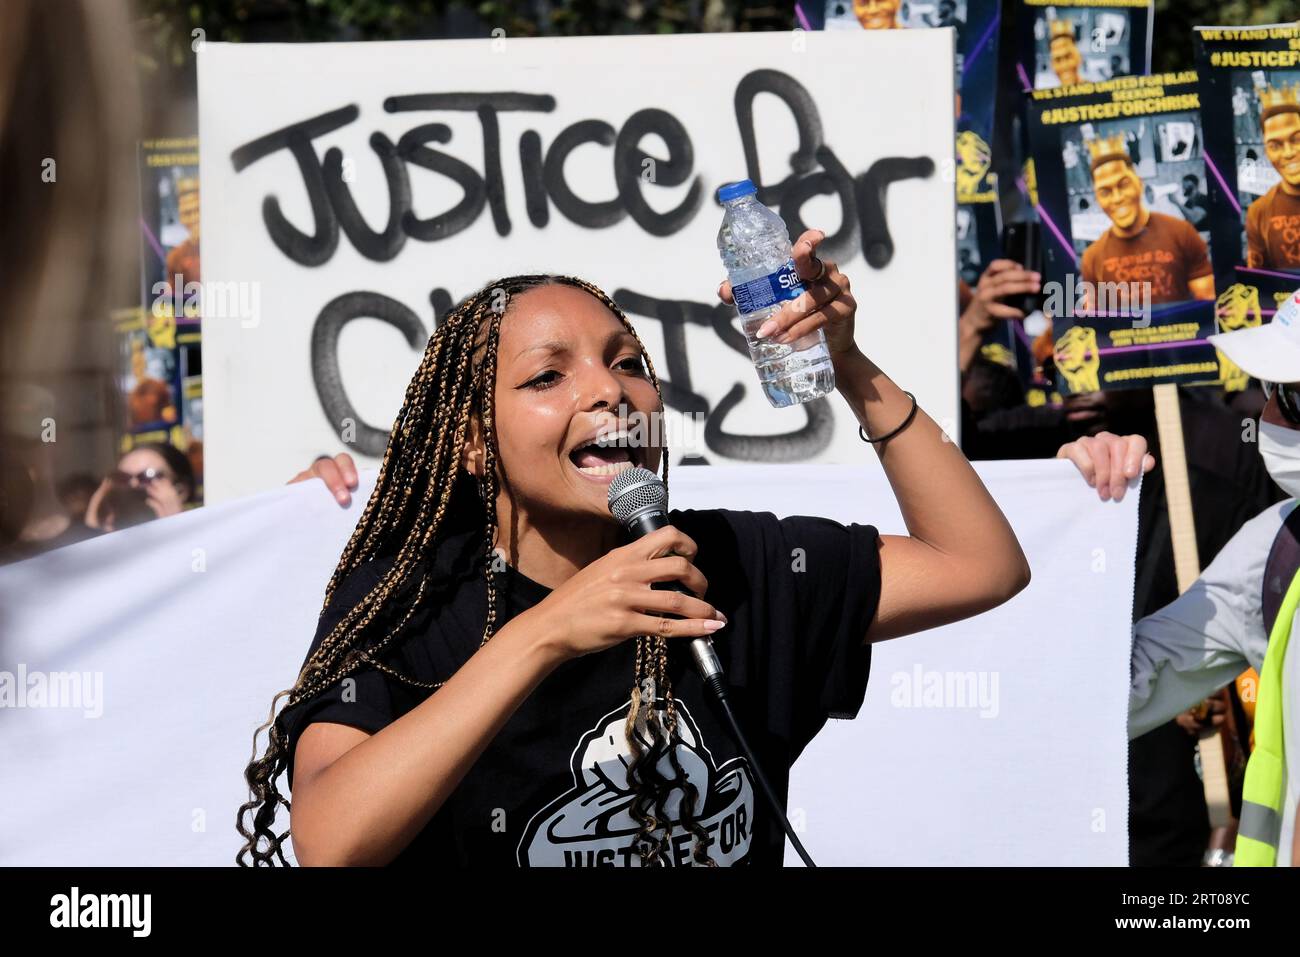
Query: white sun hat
1271, 352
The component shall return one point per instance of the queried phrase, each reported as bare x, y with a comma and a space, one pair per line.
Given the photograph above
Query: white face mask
1280, 448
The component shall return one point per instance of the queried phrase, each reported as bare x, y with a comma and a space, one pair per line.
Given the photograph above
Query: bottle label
772, 289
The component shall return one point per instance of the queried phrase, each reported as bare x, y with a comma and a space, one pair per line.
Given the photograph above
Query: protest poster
979, 220
1250, 106
161, 376
169, 219
1128, 278
1063, 44
975, 23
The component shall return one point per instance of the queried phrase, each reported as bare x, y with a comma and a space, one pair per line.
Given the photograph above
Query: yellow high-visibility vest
1263, 793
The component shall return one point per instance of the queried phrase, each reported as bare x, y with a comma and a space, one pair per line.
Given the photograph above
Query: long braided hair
409, 505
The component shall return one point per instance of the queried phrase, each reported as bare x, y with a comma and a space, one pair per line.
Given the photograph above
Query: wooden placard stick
1187, 565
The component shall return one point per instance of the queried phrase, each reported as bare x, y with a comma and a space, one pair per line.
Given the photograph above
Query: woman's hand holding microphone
611, 600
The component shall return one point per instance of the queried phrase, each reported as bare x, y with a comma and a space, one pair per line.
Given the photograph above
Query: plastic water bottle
755, 248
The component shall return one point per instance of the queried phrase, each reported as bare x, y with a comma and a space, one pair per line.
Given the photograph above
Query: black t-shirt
1229, 486
551, 789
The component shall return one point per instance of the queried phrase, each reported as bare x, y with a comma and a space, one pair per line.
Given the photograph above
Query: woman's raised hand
611, 599
825, 301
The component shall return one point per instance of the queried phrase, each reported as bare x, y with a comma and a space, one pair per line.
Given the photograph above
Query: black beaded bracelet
906, 422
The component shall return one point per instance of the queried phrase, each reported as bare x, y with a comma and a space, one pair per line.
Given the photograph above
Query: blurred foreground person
69, 122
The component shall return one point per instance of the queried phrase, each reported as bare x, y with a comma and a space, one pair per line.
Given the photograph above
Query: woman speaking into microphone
495, 682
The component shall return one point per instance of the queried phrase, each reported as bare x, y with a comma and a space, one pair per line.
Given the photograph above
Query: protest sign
1129, 283
354, 192
1250, 106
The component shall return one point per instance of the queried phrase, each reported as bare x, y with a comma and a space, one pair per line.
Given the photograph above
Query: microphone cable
718, 686
639, 500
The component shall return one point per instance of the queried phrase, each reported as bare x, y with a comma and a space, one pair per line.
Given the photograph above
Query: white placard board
1028, 766
437, 167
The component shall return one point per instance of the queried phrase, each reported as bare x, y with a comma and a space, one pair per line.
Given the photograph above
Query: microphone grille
636, 490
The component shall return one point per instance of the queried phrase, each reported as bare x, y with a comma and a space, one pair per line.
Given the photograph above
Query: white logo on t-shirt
591, 825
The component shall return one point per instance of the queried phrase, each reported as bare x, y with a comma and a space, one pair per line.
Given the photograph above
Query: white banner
998, 740
353, 191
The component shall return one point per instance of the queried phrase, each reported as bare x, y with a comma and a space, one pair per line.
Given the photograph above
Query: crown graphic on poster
1281, 99
1061, 29
1104, 149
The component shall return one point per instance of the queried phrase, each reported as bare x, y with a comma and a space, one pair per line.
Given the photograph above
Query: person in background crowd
1224, 623
338, 472
982, 307
75, 493
33, 518
988, 385
153, 480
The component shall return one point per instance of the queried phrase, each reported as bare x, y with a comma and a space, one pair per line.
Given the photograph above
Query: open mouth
604, 457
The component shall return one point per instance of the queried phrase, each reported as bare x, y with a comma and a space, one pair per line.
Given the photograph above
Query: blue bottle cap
735, 190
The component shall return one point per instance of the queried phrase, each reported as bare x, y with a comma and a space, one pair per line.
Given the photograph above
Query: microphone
639, 500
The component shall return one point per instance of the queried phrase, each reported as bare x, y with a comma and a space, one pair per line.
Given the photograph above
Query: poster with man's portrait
1129, 281
975, 23
169, 222
1067, 44
1250, 109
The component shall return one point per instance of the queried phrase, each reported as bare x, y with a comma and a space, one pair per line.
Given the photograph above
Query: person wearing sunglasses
151, 481
1288, 400
1242, 611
